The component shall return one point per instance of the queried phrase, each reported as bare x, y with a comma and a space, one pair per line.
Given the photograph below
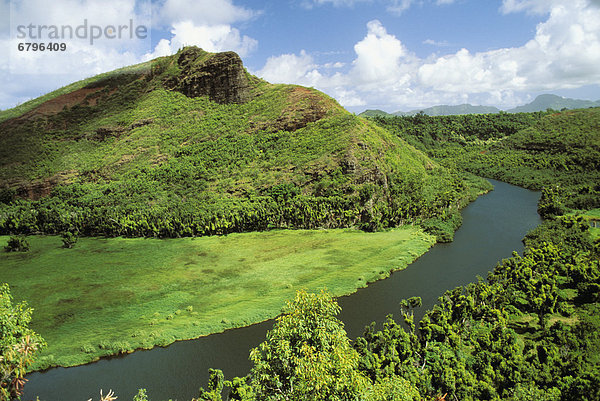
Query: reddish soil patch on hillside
37, 189
57, 104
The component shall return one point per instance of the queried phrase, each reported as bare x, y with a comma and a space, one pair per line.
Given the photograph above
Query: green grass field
107, 296
595, 215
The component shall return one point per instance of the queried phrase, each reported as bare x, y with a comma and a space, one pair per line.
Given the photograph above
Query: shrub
69, 239
7, 195
141, 395
17, 243
18, 345
88, 349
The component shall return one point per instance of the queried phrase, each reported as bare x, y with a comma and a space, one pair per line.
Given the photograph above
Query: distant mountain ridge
540, 103
445, 110
544, 102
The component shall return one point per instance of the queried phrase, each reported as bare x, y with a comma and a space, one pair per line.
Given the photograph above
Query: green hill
442, 110
554, 102
558, 151
540, 103
561, 152
445, 110
373, 113
192, 144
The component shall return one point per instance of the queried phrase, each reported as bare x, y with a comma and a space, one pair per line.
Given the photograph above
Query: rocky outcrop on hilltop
219, 76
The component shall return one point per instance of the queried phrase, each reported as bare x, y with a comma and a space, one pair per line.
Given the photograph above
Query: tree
17, 243
408, 306
68, 239
215, 387
18, 345
307, 354
550, 204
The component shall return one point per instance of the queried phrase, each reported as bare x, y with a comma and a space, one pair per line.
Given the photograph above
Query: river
492, 229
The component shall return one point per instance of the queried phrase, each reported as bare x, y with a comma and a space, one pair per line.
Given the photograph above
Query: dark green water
493, 227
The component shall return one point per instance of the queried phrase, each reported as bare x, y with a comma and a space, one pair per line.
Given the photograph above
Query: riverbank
111, 296
492, 229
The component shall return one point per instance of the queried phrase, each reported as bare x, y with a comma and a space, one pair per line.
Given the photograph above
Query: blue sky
387, 54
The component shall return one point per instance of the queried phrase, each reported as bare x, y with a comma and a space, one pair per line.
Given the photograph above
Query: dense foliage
427, 133
527, 332
77, 208
307, 356
556, 151
17, 243
18, 345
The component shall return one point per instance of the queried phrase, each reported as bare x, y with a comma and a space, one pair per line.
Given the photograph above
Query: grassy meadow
109, 296
593, 214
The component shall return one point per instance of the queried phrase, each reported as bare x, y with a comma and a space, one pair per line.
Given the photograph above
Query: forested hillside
559, 152
192, 144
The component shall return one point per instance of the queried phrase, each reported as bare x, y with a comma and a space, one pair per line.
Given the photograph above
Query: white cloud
204, 23
432, 42
564, 53
348, 98
302, 70
530, 6
290, 68
337, 64
399, 6
212, 38
381, 60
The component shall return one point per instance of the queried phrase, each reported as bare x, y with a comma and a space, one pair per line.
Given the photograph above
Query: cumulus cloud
290, 68
381, 60
212, 38
204, 23
563, 53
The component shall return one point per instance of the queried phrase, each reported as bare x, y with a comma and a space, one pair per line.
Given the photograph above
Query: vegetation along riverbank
115, 295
